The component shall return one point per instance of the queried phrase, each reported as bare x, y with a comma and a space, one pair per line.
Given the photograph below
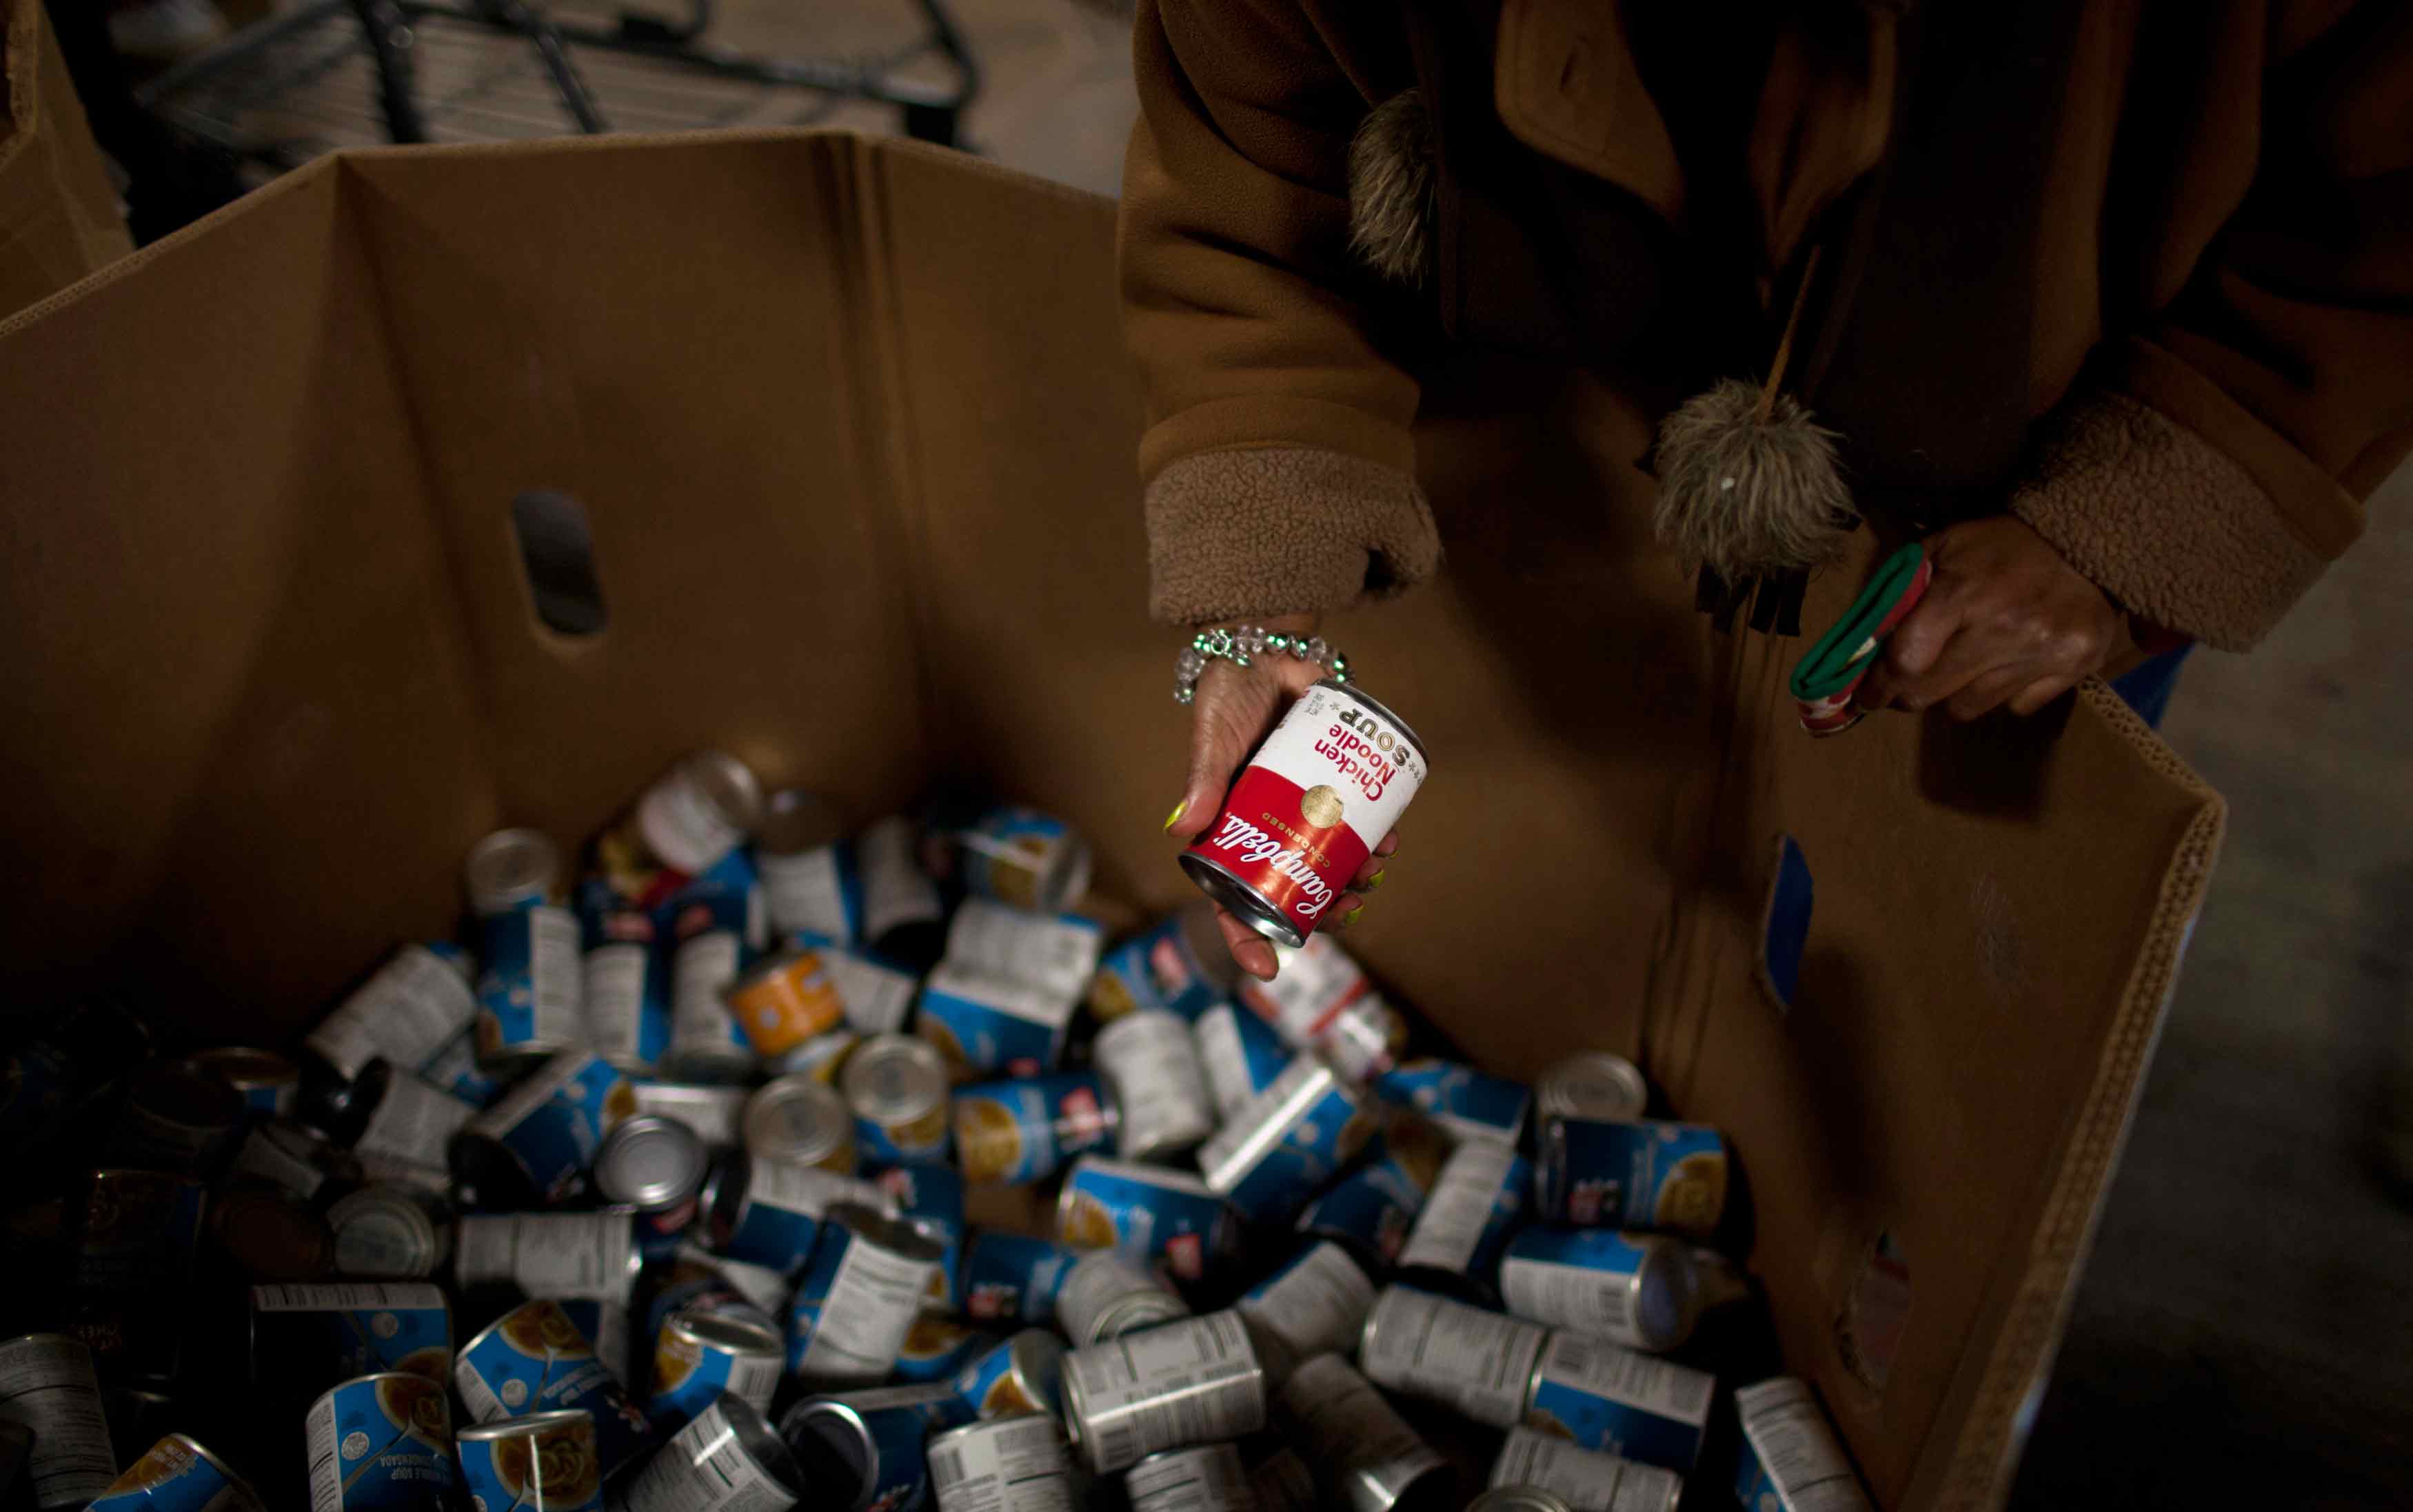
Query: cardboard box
58, 215
853, 428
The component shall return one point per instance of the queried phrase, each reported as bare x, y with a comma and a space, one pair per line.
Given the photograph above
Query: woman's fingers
1234, 709
1249, 948
1370, 872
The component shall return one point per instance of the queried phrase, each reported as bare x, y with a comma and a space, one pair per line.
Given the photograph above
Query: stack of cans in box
653, 1192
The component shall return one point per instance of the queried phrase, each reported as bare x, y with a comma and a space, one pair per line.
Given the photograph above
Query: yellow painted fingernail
1373, 881
1174, 818
1351, 917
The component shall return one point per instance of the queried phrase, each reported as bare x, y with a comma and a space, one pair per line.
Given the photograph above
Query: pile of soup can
771, 1162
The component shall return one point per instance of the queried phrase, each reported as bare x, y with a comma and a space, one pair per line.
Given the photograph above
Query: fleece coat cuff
1255, 532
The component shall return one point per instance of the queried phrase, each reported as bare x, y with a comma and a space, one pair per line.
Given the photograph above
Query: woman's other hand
1235, 708
2004, 622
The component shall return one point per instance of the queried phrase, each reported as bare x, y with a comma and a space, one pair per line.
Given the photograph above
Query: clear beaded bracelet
1240, 644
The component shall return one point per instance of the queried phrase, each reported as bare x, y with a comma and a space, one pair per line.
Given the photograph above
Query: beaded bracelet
1239, 644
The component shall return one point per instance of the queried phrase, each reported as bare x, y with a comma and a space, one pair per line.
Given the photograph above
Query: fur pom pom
1747, 494
1391, 191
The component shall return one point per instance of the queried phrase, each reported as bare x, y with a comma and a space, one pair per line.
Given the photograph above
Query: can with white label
705, 1043
694, 814
1314, 1305
716, 1112
1022, 856
1017, 1377
1586, 1478
550, 1254
408, 1010
318, 1335
809, 882
531, 987
1319, 794
1632, 1289
1015, 1464
1146, 1211
623, 981
1107, 1294
1479, 1363
726, 1460
699, 1355
1151, 1060
538, 1142
901, 908
987, 1025
1370, 1459
1056, 952
1791, 1461
381, 1443
1209, 1477
896, 1086
1240, 1054
769, 1213
412, 1124
858, 1297
511, 870
1195, 1381
1634, 1405
1476, 1200
1270, 1157
47, 1386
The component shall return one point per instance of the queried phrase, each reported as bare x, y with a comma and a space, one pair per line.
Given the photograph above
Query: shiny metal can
784, 1001
543, 1462
698, 1356
820, 1059
1519, 1499
1268, 1159
799, 1120
48, 1387
896, 1086
1208, 1477
1150, 1059
1013, 1276
386, 1232
267, 1082
769, 1214
692, 815
531, 986
993, 1026
511, 870
1240, 1054
1370, 1210
931, 1199
651, 1163
381, 1443
1056, 953
858, 1297
1479, 1363
410, 1009
726, 1460
1643, 1174
542, 1137
1026, 858
1586, 1478
1791, 1461
1593, 1084
1026, 1129
1193, 1381
1469, 1103
1019, 1377
320, 1334
1631, 1289
536, 1358
809, 882
178, 1475
1318, 796
871, 1451
1476, 1202
550, 1254
693, 1281
716, 1112
1314, 1305
1014, 1465
1633, 1405
1107, 1294
1148, 1212
1370, 1460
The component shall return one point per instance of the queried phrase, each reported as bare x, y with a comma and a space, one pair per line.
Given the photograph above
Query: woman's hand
1235, 708
2005, 620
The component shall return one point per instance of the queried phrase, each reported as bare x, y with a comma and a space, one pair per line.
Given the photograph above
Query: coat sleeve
2218, 459
1278, 463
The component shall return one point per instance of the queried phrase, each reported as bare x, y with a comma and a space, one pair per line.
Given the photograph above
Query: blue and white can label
1240, 1054
991, 1026
1024, 1128
1015, 1377
815, 891
1790, 1460
536, 1360
1629, 1404
1154, 968
857, 1299
543, 1463
1645, 1174
1013, 1277
1478, 1198
1146, 1212
533, 980
779, 1221
1269, 1158
1029, 859
177, 1475
1370, 1211
932, 1198
698, 1358
381, 1442
552, 1124
625, 996
878, 994
346, 1330
1469, 1104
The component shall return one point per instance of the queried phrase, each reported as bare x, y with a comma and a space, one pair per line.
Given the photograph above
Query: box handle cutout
1785, 924
558, 555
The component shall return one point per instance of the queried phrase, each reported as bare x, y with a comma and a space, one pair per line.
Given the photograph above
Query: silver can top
894, 1078
243, 1067
721, 1330
797, 1120
511, 868
1518, 1499
530, 1426
1593, 1085
896, 1235
650, 1161
726, 786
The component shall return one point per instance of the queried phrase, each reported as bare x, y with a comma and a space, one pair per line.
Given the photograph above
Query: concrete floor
2248, 1314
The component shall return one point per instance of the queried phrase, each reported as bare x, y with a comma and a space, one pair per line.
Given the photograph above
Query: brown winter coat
2140, 270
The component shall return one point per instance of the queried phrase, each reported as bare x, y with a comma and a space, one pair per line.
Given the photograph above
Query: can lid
243, 1065
797, 1118
650, 1161
898, 1235
1518, 1499
894, 1078
508, 868
1594, 1083
831, 1442
737, 1334
375, 1222
727, 785
526, 1426
795, 820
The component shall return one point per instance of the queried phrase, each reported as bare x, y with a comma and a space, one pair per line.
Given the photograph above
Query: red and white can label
1312, 805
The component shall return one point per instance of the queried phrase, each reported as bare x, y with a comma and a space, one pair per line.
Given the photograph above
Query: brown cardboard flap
854, 429
58, 213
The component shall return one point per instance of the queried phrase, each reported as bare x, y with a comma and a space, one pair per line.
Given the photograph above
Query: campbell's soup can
1308, 809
